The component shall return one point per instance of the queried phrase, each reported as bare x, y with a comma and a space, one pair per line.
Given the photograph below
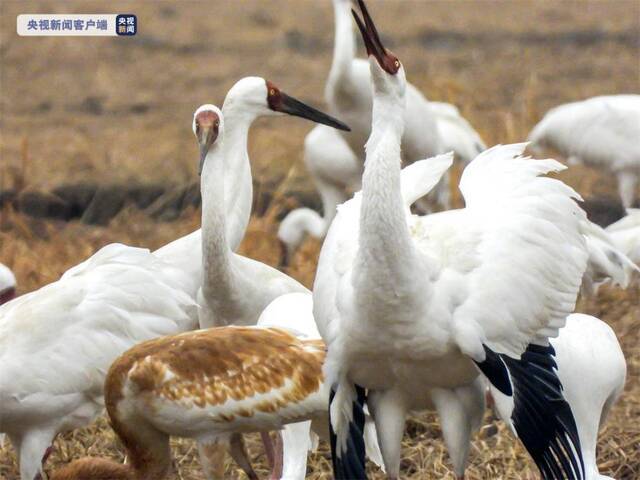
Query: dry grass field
119, 110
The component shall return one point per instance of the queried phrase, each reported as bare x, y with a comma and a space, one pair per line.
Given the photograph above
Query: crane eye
217, 123
397, 63
272, 92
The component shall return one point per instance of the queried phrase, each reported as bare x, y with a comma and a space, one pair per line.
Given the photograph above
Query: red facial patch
208, 119
274, 99
391, 64
386, 59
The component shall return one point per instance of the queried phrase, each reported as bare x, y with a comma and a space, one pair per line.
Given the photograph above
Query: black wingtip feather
496, 371
350, 465
541, 416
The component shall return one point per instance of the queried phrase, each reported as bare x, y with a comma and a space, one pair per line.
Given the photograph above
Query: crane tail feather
348, 457
541, 416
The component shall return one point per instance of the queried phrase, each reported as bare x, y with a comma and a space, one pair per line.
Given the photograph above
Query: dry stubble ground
120, 110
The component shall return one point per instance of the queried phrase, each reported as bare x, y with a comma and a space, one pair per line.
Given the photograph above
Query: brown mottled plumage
211, 385
214, 365
94, 469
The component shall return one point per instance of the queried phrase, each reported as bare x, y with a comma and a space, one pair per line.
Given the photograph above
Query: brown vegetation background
119, 110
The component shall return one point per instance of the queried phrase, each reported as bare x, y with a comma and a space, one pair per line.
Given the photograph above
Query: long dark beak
369, 33
205, 145
292, 106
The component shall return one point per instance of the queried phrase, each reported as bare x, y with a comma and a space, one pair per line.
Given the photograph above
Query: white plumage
456, 133
56, 343
410, 304
335, 169
600, 131
236, 289
294, 313
502, 192
115, 299
441, 236
453, 244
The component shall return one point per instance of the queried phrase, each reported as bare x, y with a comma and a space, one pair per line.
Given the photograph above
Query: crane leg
33, 448
268, 448
239, 454
460, 411
276, 472
389, 414
295, 447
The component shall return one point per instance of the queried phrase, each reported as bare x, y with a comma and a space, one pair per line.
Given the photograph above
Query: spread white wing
510, 263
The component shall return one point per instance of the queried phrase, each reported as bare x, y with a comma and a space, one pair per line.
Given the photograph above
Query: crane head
252, 97
387, 72
207, 123
387, 60
278, 101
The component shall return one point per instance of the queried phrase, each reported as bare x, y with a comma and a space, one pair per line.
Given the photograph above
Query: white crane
409, 305
294, 312
585, 344
236, 289
625, 234
349, 96
56, 343
7, 284
601, 132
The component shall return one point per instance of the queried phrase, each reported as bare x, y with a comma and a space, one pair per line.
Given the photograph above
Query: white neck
216, 253
227, 192
238, 182
344, 48
386, 249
